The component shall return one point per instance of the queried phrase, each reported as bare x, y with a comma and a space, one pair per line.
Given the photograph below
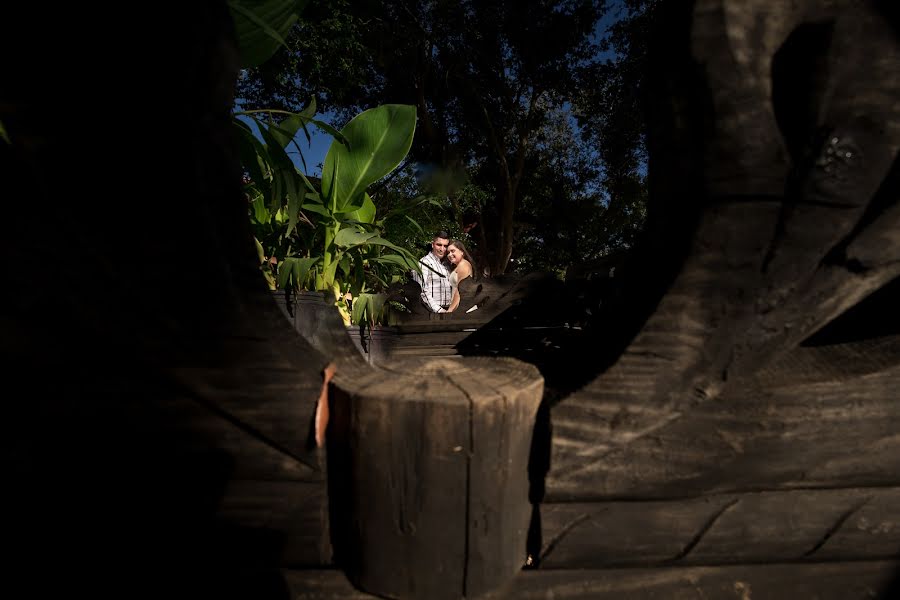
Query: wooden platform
789, 490
784, 581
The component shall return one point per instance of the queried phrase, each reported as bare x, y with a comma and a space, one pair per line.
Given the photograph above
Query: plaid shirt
436, 292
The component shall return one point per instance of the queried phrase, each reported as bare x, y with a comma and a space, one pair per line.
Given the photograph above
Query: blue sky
314, 150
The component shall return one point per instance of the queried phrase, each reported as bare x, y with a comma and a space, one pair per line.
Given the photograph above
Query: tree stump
428, 475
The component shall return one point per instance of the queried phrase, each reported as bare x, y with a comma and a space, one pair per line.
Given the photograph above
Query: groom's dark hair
441, 234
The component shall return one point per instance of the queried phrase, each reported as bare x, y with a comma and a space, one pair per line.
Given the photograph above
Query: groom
434, 279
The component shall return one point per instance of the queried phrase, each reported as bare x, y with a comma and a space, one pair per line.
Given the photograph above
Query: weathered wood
443, 350
758, 527
441, 323
270, 404
783, 242
319, 322
251, 453
753, 527
822, 581
819, 364
428, 474
830, 434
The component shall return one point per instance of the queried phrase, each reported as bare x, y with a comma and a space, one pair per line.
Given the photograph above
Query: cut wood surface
819, 581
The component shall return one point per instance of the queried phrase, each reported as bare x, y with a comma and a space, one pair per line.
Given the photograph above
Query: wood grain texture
428, 462
823, 581
820, 364
830, 434
756, 527
783, 242
318, 321
276, 406
826, 581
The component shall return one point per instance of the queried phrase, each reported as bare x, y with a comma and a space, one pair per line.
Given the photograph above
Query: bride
461, 265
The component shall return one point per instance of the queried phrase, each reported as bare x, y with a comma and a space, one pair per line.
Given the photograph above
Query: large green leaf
350, 236
395, 259
253, 154
292, 124
368, 308
380, 241
261, 26
276, 151
260, 252
362, 214
379, 140
358, 313
259, 212
316, 208
293, 272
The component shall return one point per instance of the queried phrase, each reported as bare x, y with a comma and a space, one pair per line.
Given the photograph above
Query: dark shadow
799, 76
116, 493
340, 484
538, 467
875, 316
892, 589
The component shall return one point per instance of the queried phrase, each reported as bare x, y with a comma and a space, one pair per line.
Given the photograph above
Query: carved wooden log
428, 475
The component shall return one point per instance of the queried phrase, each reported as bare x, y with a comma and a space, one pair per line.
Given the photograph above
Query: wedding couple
443, 268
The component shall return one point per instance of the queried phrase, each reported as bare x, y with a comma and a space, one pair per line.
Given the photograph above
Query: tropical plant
483, 87
348, 253
326, 234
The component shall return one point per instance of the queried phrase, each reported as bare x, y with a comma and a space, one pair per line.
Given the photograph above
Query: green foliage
326, 235
378, 140
486, 77
338, 245
412, 212
268, 163
521, 105
262, 25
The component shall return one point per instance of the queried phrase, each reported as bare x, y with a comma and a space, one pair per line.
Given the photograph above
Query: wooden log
428, 475
823, 581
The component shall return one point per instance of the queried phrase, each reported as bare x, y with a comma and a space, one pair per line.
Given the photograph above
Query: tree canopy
525, 100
